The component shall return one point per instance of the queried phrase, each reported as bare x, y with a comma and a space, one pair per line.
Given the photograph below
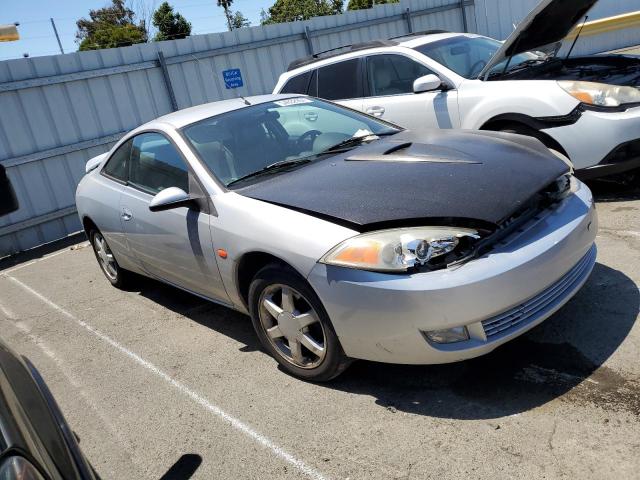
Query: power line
119, 15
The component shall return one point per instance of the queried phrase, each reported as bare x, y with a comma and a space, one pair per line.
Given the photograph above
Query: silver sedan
342, 236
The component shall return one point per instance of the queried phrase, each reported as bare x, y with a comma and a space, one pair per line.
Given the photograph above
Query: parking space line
196, 397
7, 313
46, 257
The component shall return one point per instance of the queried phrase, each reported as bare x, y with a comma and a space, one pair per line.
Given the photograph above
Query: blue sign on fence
232, 78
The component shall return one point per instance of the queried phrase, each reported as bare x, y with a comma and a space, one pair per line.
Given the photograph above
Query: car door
174, 245
390, 96
110, 183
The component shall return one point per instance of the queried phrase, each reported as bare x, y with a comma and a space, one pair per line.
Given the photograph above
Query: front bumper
382, 317
621, 159
595, 136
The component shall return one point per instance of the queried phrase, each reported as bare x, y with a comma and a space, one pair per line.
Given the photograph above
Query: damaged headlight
601, 94
397, 250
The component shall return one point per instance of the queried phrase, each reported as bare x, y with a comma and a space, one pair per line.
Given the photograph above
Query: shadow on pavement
617, 188
563, 352
216, 317
41, 251
526, 373
184, 468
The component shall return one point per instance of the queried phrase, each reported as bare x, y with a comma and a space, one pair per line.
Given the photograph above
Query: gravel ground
155, 381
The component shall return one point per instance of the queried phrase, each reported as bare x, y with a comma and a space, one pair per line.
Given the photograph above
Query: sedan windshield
467, 56
276, 136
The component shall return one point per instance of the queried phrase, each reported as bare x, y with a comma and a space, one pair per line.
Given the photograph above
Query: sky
37, 37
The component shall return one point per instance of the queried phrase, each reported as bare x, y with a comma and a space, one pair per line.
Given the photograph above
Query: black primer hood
482, 177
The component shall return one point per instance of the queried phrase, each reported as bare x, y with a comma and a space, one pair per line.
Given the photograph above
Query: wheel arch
88, 225
251, 263
518, 120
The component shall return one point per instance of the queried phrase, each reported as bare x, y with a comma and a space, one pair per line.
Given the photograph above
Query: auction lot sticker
293, 101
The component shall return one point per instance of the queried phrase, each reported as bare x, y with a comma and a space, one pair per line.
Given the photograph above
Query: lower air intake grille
541, 303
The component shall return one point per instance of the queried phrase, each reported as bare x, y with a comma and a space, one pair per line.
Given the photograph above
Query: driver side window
393, 74
156, 164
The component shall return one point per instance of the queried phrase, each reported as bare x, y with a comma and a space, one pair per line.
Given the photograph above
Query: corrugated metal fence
56, 112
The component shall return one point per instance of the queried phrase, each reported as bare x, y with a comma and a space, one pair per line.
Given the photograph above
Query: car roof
414, 41
353, 51
190, 115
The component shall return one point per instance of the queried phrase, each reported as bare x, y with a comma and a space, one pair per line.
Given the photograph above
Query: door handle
126, 214
375, 111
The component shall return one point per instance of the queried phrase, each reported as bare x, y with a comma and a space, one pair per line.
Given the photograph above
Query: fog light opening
449, 335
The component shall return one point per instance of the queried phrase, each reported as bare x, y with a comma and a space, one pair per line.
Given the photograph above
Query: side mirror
8, 200
95, 162
427, 83
170, 198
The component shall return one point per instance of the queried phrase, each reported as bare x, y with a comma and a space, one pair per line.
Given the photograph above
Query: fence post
463, 12
407, 16
307, 37
167, 81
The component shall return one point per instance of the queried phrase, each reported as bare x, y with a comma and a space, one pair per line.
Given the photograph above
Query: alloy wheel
105, 257
292, 326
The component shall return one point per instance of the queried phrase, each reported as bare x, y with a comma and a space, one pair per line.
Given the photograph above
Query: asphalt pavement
160, 384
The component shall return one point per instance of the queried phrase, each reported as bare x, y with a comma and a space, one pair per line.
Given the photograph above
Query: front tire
293, 326
118, 277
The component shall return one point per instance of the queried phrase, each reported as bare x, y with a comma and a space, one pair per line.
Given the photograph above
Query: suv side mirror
170, 198
427, 83
8, 200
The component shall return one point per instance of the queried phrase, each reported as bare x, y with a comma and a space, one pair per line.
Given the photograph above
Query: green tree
364, 4
109, 27
170, 24
292, 10
238, 20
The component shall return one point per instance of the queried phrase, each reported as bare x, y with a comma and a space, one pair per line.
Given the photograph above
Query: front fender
245, 225
482, 101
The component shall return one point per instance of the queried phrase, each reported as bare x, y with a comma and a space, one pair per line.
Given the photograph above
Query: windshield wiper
271, 168
521, 66
356, 141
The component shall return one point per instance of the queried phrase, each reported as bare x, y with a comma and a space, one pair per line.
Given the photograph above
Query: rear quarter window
297, 84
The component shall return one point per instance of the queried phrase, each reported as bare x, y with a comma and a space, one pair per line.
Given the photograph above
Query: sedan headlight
600, 94
396, 250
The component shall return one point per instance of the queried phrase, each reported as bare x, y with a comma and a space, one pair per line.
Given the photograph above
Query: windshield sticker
293, 101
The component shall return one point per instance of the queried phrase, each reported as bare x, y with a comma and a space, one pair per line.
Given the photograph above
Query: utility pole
55, 30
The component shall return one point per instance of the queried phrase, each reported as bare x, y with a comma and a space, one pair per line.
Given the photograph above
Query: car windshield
283, 133
467, 56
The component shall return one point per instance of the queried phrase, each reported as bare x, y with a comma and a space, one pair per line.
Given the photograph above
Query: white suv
586, 108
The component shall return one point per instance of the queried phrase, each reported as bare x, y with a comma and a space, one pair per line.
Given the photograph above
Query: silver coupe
343, 236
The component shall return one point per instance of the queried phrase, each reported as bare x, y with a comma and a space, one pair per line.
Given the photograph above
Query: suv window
340, 80
156, 164
118, 164
393, 74
297, 84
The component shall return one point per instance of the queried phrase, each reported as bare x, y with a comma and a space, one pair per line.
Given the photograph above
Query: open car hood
549, 22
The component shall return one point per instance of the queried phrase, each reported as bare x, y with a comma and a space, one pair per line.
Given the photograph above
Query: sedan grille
537, 306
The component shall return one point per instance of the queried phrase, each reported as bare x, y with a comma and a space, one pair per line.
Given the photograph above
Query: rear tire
293, 326
117, 276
